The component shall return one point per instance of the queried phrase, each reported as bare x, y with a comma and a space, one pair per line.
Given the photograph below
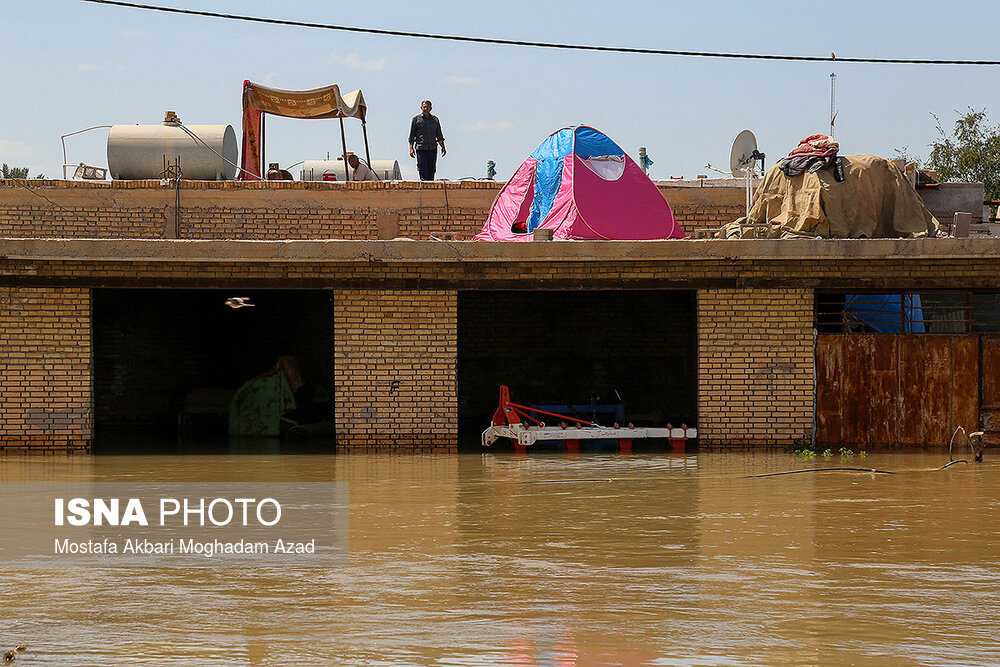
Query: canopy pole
364, 131
343, 140
263, 162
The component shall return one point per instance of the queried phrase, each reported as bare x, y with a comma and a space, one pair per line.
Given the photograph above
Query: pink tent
579, 183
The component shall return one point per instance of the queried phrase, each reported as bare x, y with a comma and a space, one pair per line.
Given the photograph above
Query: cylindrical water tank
144, 151
333, 170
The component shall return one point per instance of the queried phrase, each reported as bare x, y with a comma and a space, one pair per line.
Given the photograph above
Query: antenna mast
833, 101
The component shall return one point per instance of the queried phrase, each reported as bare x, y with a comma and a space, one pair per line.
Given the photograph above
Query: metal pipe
63, 140
368, 155
343, 141
177, 199
833, 101
261, 174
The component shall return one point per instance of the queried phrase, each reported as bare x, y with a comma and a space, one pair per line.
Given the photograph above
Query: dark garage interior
577, 347
166, 364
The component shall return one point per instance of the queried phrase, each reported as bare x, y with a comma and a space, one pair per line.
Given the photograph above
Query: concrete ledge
410, 251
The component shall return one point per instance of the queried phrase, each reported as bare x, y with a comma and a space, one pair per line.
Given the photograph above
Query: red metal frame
505, 414
508, 412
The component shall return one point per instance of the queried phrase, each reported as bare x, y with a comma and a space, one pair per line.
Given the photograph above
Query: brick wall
755, 366
394, 369
285, 210
44, 220
698, 217
45, 369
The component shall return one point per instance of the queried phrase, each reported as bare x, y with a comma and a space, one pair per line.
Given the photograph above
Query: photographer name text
206, 548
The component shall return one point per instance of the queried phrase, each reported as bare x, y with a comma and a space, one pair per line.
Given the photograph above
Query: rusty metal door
886, 390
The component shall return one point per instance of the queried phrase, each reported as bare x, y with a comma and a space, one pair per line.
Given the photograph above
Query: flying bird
239, 302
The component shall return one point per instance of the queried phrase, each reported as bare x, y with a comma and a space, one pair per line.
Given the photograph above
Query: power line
543, 45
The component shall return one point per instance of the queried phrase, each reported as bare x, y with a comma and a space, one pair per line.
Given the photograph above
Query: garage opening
632, 351
196, 371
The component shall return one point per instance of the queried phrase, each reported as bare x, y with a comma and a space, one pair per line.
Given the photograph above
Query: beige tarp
874, 200
325, 102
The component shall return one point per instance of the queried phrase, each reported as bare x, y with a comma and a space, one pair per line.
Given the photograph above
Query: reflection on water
549, 560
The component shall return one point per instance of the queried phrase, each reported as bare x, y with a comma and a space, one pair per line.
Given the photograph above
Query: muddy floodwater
555, 560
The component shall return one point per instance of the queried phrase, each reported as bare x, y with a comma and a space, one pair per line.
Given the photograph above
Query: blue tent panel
591, 143
887, 313
548, 174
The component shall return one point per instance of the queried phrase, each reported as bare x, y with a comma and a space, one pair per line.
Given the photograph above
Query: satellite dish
743, 159
743, 155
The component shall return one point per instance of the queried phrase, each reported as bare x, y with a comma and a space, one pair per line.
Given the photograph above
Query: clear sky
70, 64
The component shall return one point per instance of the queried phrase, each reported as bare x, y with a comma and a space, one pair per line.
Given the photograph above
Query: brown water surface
552, 560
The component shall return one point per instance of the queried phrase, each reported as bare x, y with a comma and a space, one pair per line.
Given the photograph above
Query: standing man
425, 131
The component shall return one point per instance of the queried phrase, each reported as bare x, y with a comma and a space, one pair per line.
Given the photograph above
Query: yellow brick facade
395, 360
755, 366
45, 370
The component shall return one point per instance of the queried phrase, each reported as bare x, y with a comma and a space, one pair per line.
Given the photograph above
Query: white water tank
143, 151
333, 170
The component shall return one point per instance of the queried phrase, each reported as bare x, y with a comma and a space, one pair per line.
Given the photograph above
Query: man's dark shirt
425, 132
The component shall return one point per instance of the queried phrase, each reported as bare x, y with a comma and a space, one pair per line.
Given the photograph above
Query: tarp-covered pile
874, 199
580, 184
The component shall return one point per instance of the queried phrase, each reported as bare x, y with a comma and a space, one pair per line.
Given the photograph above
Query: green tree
971, 153
15, 172
905, 155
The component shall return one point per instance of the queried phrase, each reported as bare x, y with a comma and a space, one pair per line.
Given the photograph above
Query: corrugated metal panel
990, 403
829, 371
991, 372
965, 394
856, 397
936, 408
911, 390
884, 396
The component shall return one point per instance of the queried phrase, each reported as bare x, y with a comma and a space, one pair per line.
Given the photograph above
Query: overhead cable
544, 45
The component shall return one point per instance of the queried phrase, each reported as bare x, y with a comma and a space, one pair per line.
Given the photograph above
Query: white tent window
608, 167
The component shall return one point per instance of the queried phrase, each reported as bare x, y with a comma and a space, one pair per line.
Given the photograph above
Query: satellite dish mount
743, 158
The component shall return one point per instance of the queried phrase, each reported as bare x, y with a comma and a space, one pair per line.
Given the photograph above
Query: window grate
962, 312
